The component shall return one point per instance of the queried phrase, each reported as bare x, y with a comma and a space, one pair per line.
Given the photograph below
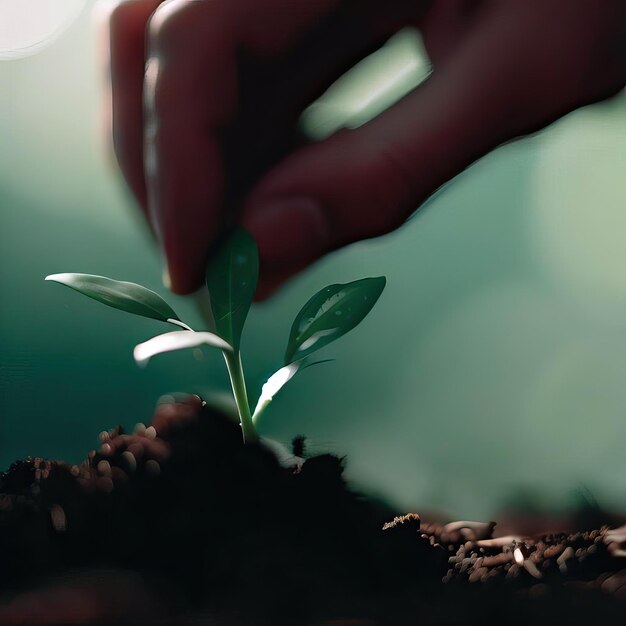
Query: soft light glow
519, 557
577, 195
28, 26
315, 337
370, 87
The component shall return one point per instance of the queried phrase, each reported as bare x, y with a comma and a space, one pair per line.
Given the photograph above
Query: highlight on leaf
278, 380
122, 295
177, 340
231, 278
273, 385
330, 314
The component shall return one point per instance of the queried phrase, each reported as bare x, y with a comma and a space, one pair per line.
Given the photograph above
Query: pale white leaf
274, 384
177, 340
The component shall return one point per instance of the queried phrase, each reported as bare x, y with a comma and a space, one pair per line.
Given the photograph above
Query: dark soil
180, 523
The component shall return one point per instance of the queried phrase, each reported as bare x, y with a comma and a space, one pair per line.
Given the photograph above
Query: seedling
231, 279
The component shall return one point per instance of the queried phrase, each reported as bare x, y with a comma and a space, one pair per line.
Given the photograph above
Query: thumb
365, 182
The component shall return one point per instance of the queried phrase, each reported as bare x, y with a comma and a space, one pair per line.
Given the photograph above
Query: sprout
231, 279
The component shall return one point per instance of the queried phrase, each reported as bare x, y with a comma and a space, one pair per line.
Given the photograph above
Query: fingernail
182, 273
288, 230
184, 260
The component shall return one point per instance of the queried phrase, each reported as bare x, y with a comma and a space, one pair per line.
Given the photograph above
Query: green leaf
122, 295
331, 313
231, 278
176, 340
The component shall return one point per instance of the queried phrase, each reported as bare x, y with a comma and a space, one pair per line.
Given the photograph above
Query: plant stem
238, 383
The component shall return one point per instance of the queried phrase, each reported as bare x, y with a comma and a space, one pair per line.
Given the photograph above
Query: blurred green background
494, 363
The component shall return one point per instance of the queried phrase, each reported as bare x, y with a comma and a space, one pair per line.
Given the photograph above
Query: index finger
191, 98
190, 93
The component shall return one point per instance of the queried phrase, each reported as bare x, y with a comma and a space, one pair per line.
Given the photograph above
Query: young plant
231, 279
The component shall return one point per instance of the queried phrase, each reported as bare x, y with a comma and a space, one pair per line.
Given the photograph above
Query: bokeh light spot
28, 26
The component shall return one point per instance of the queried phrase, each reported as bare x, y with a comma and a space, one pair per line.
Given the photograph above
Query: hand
213, 144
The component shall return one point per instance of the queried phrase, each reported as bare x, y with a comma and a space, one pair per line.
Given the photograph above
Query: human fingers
222, 78
504, 79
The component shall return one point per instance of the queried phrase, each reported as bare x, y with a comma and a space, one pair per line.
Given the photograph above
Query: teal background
494, 363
